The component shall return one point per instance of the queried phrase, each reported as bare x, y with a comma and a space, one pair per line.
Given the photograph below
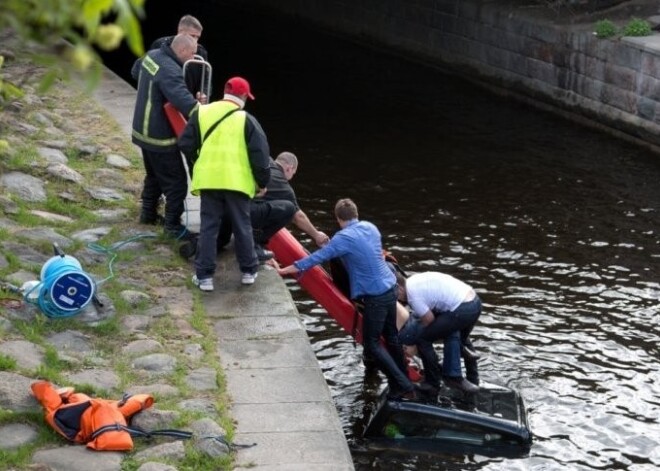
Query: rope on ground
231, 445
112, 252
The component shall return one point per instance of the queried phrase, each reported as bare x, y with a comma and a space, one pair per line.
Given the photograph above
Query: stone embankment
68, 175
543, 53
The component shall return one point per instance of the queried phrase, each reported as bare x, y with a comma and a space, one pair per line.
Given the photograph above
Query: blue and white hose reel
64, 290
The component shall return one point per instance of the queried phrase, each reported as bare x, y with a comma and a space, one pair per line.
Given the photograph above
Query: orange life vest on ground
100, 424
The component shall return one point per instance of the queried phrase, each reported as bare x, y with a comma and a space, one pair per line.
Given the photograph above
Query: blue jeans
379, 318
455, 328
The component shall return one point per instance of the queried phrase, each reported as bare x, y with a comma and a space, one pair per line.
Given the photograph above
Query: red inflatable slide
176, 119
317, 283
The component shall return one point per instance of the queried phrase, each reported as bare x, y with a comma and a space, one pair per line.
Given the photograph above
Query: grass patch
130, 464
187, 417
178, 377
92, 390
605, 29
27, 417
51, 375
25, 218
7, 363
126, 373
13, 263
33, 331
109, 328
52, 359
23, 159
82, 216
164, 328
198, 322
208, 342
196, 461
637, 27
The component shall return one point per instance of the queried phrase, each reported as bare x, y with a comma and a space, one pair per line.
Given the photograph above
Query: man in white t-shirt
447, 309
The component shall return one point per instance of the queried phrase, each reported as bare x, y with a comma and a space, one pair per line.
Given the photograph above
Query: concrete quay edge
280, 399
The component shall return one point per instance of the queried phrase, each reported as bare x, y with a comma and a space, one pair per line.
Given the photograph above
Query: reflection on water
555, 225
564, 253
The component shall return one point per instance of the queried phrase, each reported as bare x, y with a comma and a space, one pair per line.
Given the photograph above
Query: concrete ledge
277, 385
285, 417
286, 451
118, 98
267, 353
280, 399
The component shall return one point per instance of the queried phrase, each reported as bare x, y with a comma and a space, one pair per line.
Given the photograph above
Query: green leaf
138, 7
123, 8
9, 90
92, 12
47, 80
47, 22
133, 32
98, 6
94, 75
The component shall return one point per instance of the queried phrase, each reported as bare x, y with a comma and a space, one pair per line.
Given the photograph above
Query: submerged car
491, 422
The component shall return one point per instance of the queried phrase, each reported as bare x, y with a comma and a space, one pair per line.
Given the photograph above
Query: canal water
554, 224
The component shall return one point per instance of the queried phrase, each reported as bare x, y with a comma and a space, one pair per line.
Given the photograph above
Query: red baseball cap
238, 86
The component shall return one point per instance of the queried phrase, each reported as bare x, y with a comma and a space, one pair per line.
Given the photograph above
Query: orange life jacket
101, 424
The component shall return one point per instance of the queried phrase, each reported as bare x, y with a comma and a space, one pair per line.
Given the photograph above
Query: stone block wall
611, 83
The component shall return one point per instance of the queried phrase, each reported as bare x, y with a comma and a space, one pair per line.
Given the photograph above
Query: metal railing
206, 76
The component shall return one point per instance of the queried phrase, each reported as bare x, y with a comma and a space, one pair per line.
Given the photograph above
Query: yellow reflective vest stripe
223, 162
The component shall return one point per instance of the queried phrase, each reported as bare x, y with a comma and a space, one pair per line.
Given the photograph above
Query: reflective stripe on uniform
157, 142
150, 65
147, 109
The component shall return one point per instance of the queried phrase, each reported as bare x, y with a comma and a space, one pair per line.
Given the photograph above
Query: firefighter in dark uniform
161, 81
192, 27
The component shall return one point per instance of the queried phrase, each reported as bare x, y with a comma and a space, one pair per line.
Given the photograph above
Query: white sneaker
248, 278
205, 284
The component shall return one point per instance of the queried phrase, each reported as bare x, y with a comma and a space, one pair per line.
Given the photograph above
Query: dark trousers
379, 319
216, 205
455, 328
165, 175
267, 217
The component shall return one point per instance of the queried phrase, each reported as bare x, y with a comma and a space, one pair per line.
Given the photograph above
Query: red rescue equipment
318, 283
176, 119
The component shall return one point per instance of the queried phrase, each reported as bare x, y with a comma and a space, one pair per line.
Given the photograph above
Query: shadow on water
555, 225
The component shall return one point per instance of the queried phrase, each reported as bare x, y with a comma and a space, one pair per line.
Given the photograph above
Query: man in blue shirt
358, 244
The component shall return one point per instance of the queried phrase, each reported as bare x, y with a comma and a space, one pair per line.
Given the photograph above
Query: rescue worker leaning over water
161, 81
230, 158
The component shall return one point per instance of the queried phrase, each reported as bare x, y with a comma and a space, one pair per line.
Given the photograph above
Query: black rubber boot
152, 219
188, 249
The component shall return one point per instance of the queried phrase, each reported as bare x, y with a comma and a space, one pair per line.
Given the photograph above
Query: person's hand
261, 192
410, 350
273, 263
321, 239
290, 270
203, 99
